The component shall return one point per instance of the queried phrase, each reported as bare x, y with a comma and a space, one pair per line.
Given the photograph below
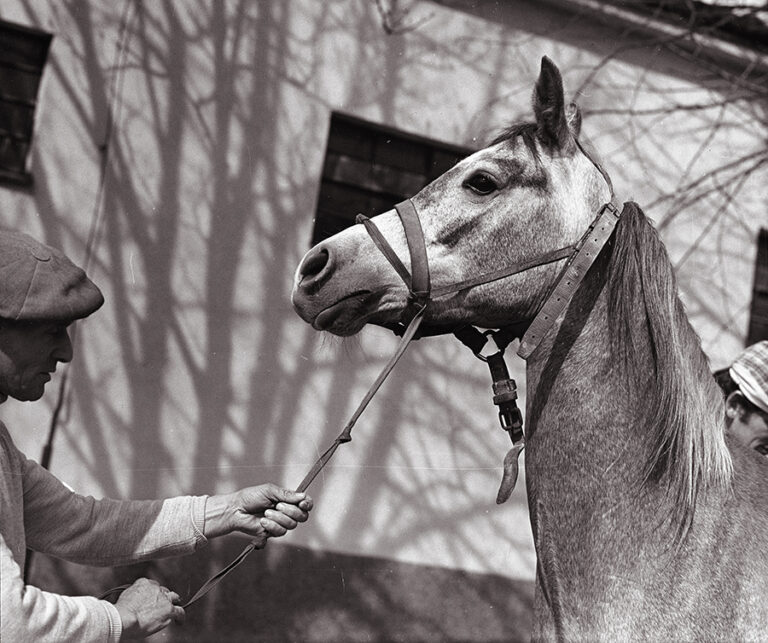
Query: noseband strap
417, 280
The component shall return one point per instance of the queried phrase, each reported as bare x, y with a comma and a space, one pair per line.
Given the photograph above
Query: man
745, 385
41, 293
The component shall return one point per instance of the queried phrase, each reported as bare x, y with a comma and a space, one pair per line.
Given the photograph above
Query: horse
649, 521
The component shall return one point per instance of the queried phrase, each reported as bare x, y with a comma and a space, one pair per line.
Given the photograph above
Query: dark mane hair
525, 131
685, 425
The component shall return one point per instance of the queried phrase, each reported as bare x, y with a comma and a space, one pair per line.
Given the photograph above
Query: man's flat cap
39, 283
750, 371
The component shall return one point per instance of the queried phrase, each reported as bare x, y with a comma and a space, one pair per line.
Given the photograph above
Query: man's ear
557, 124
733, 405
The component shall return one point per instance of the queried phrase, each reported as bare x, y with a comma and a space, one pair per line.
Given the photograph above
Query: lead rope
344, 436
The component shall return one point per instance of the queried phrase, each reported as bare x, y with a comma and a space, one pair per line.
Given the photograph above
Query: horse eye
481, 183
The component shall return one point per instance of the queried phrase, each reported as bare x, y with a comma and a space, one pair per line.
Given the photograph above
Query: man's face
29, 354
750, 427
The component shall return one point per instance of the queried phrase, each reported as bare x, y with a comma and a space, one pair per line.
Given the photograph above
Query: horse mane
525, 131
685, 427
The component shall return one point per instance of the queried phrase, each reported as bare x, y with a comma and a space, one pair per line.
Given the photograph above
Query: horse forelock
685, 429
524, 131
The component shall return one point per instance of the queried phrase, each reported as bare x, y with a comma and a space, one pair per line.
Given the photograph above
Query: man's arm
30, 615
106, 532
115, 532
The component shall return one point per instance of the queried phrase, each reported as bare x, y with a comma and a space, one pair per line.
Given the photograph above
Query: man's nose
63, 352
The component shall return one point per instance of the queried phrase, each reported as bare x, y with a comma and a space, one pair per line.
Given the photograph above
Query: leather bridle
580, 256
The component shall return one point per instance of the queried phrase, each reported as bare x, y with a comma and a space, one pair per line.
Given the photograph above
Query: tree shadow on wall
310, 596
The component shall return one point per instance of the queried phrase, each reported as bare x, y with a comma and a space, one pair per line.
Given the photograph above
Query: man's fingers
286, 495
293, 511
260, 539
178, 614
282, 508
173, 597
280, 518
273, 528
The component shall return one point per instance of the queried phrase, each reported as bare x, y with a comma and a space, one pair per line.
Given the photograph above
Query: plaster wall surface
185, 140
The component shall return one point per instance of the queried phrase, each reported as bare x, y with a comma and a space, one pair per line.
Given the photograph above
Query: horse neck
580, 409
582, 470
623, 415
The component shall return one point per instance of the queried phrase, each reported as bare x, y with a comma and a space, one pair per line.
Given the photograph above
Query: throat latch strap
587, 251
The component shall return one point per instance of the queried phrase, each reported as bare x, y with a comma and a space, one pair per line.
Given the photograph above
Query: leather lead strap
219, 576
418, 283
344, 436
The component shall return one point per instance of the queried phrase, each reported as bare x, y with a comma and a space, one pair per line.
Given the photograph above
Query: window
369, 168
23, 52
758, 316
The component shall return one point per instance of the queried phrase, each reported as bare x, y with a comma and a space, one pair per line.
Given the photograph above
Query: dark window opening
758, 314
23, 52
369, 168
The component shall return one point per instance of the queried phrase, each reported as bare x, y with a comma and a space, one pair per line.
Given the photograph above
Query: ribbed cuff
115, 622
197, 515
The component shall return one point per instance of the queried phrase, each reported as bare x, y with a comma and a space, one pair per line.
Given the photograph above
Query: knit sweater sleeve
38, 511
106, 532
30, 615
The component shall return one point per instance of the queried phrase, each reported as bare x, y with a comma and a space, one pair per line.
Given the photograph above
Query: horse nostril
315, 270
314, 263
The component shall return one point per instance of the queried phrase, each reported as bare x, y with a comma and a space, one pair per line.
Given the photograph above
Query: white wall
197, 375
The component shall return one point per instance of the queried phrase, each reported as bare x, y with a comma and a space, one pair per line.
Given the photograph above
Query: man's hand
263, 512
146, 607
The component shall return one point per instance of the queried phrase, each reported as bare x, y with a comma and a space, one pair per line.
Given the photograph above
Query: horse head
532, 190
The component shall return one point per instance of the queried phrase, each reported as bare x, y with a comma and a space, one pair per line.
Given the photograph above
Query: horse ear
550, 110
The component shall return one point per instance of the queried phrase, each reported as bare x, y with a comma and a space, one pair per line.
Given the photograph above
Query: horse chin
348, 316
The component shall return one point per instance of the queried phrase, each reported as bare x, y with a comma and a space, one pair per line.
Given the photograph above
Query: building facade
180, 151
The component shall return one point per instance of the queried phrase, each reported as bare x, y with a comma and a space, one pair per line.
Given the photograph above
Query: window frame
369, 167
22, 63
758, 311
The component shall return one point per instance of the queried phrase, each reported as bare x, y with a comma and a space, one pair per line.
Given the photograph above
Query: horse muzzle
343, 283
